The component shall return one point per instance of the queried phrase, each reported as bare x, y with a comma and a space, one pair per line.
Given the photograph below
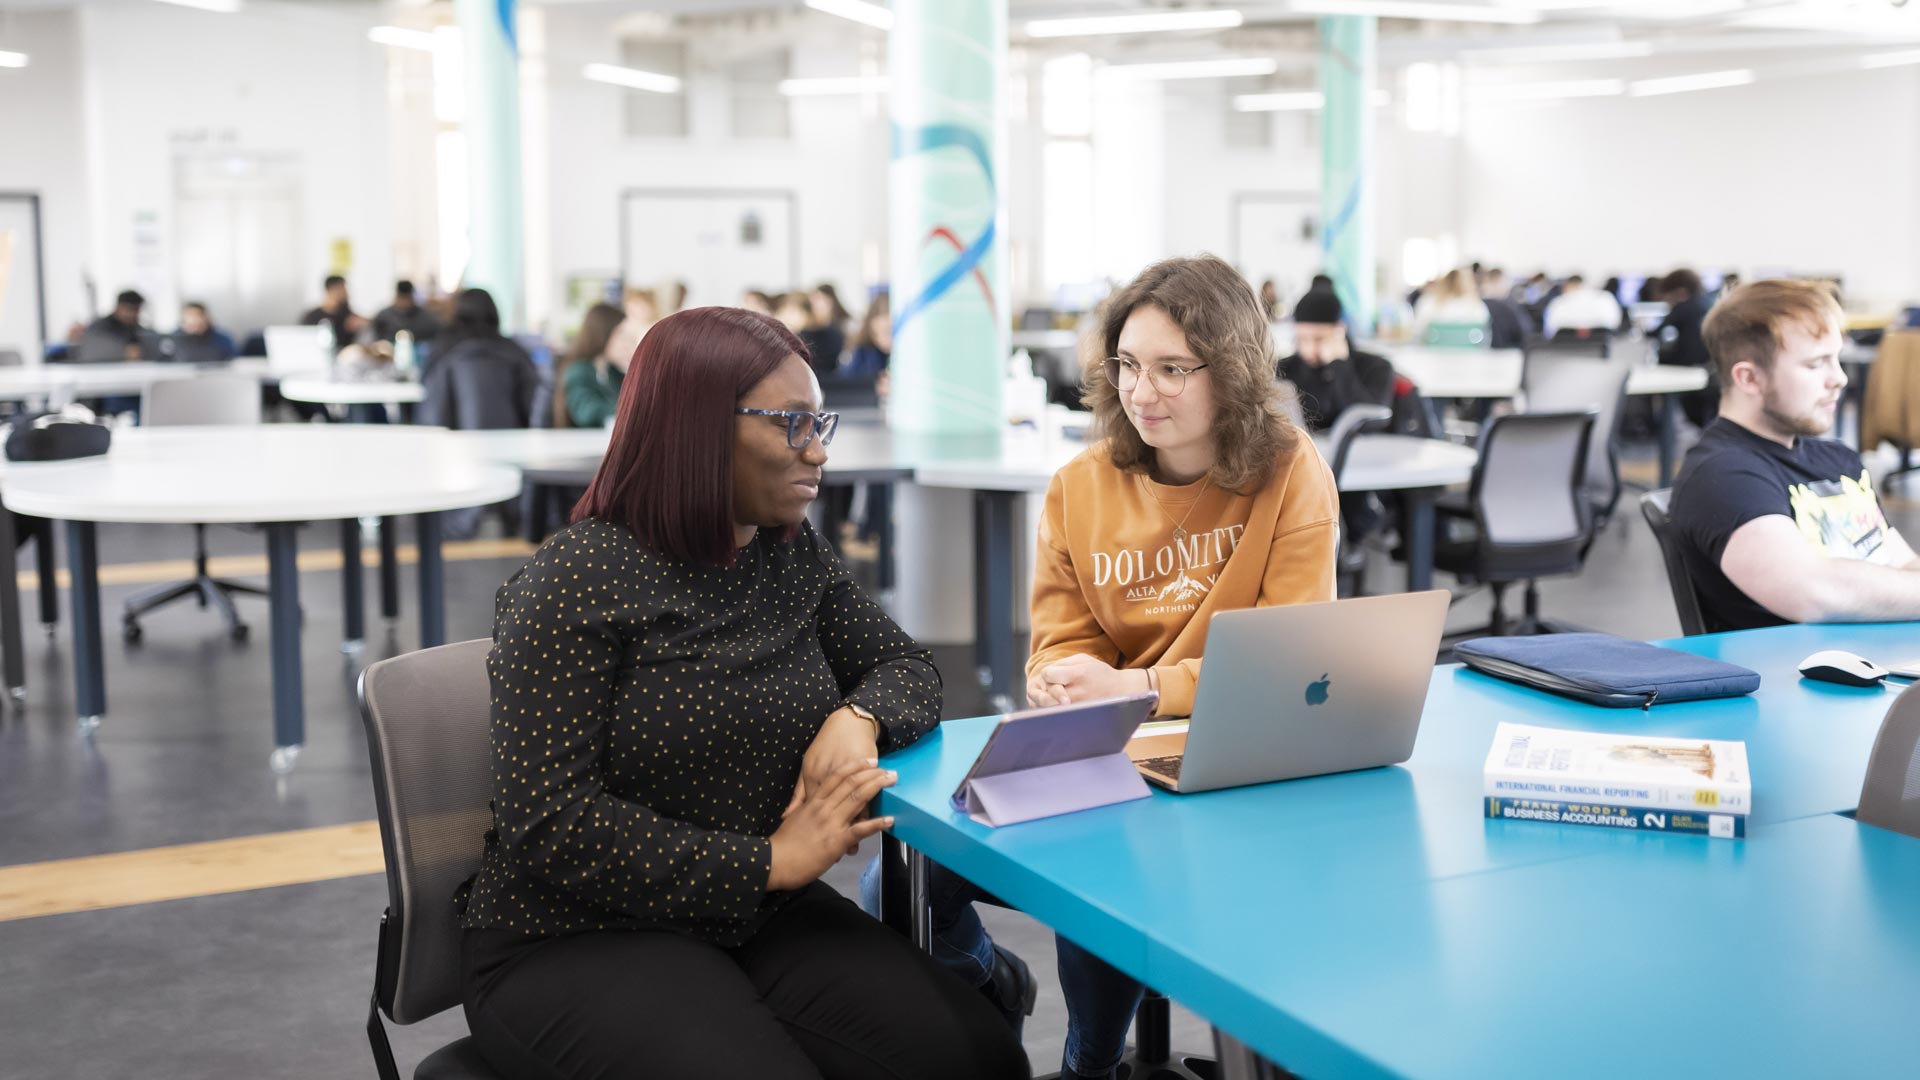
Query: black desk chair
1524, 514
1356, 420
222, 398
1887, 799
427, 715
1556, 380
1686, 600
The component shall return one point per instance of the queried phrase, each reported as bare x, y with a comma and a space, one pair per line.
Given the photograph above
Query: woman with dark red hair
689, 698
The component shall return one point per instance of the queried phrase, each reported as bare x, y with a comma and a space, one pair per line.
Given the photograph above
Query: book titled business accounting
1618, 781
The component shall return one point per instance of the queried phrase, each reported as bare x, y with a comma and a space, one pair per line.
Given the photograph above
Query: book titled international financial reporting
1618, 781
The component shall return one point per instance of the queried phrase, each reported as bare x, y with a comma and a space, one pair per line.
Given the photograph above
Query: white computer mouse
1835, 666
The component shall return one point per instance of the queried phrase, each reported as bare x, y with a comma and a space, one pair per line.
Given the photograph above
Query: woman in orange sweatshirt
1201, 497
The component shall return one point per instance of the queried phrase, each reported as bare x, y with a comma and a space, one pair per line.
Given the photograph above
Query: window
757, 108
650, 115
1246, 130
1066, 168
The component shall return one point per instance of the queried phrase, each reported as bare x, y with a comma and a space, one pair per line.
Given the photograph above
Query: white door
237, 233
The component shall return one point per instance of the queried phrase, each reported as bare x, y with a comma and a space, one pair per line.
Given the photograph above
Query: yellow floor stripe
146, 573
204, 869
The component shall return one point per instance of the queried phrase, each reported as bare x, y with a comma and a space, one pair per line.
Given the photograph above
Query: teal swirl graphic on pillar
946, 219
492, 130
926, 140
1346, 161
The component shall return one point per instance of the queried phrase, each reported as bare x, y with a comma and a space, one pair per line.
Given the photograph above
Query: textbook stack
1639, 783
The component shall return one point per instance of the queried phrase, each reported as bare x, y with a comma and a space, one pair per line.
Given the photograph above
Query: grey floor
274, 983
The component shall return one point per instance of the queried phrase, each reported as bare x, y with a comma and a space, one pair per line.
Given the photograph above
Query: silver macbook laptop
1302, 690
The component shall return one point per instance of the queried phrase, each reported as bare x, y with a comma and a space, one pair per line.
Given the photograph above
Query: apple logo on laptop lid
1317, 690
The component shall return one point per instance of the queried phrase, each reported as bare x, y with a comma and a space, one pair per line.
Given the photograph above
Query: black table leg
13, 661
1417, 536
389, 568
289, 696
89, 672
993, 595
433, 585
355, 599
44, 562
1669, 435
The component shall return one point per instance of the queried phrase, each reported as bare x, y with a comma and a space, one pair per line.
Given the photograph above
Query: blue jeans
1100, 998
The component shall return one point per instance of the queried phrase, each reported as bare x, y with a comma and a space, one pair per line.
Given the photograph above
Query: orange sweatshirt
1109, 581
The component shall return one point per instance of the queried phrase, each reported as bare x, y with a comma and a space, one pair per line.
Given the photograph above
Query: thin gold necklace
1179, 527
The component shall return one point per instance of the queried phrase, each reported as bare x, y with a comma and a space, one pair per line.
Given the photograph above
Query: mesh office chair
427, 715
1353, 421
1890, 797
1558, 381
205, 400
1686, 601
1528, 517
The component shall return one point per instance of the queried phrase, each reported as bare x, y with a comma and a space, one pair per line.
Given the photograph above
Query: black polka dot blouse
649, 718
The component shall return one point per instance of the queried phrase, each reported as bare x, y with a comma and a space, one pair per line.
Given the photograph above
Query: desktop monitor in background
1630, 286
1711, 279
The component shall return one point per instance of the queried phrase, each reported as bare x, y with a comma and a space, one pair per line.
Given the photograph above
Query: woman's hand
1083, 678
845, 737
827, 826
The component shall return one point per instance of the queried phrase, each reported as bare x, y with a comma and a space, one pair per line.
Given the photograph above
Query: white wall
827, 163
161, 81
1203, 174
41, 151
1819, 173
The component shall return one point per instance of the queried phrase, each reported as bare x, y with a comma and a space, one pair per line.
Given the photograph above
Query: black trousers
822, 991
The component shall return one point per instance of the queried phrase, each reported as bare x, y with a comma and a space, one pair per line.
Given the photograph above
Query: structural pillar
1347, 66
947, 255
492, 129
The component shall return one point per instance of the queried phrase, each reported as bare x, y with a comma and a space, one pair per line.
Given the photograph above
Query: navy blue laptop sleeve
1601, 669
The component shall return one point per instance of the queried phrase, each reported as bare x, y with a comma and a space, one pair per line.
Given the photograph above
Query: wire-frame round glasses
1168, 378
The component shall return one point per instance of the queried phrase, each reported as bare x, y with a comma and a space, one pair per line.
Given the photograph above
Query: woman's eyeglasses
1168, 378
802, 426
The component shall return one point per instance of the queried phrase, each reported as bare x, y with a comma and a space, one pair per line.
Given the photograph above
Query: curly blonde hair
1227, 330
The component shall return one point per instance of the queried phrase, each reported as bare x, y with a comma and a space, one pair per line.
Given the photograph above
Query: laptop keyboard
1168, 767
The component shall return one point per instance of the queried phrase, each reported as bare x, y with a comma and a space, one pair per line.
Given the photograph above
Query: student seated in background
1327, 373
197, 341
1201, 497
478, 378
825, 331
1581, 308
1776, 524
1451, 300
689, 695
873, 345
1682, 339
118, 334
337, 312
590, 373
405, 313
1507, 324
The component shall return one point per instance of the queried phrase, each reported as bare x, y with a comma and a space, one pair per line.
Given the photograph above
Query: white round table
1666, 379
274, 475
60, 383
321, 390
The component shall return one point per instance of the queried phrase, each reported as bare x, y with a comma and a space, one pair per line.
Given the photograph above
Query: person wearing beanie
1327, 373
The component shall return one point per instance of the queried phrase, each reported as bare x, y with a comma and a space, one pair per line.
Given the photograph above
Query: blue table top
1376, 924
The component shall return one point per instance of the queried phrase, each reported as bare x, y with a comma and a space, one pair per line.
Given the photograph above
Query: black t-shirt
1733, 476
1328, 389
